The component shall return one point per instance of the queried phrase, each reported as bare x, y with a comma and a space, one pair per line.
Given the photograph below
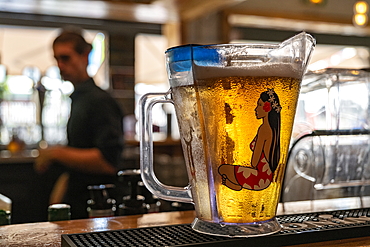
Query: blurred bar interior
129, 39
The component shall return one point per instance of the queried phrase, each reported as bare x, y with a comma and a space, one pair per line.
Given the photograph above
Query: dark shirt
95, 122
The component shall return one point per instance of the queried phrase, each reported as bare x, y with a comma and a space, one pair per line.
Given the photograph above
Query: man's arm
87, 160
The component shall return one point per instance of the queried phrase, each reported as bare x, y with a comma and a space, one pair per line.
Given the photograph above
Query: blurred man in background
94, 129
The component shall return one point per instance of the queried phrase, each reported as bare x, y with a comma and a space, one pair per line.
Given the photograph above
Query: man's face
72, 65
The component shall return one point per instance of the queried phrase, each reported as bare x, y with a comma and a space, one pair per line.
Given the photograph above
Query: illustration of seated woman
265, 147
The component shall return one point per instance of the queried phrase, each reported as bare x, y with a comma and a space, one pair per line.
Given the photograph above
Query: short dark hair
78, 41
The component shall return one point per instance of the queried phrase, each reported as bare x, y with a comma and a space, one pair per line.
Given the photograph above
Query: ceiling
337, 11
332, 16
162, 11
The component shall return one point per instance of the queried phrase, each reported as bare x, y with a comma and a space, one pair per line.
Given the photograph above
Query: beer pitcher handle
150, 180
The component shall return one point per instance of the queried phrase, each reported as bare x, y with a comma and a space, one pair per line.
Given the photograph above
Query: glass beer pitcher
235, 105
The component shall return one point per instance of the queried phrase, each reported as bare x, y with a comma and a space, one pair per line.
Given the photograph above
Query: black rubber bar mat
297, 229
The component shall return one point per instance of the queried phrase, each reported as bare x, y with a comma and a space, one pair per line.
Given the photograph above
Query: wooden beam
192, 9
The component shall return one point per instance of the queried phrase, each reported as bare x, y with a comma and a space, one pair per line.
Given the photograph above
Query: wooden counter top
49, 233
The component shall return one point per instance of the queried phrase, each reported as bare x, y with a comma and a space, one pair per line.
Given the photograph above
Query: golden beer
218, 124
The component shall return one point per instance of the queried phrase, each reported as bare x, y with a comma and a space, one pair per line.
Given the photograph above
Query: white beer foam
280, 70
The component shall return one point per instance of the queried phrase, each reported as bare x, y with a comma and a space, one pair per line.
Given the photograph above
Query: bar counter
48, 234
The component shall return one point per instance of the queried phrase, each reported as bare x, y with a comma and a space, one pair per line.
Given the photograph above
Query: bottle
133, 203
57, 212
5, 210
16, 144
100, 204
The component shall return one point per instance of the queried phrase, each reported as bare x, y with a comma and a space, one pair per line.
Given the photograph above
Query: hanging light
315, 2
360, 17
361, 7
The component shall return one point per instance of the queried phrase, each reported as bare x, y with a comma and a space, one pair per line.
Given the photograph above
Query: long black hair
274, 121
